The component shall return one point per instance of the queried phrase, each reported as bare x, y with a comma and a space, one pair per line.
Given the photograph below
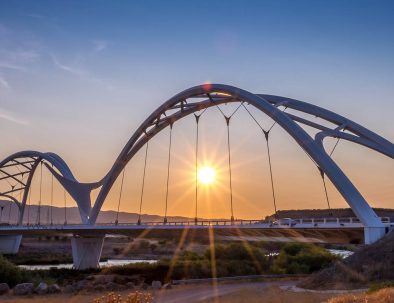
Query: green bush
10, 273
300, 258
378, 286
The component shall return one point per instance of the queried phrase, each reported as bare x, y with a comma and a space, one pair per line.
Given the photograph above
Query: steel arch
215, 94
203, 96
58, 168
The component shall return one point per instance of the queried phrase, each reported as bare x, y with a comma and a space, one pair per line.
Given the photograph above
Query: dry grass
271, 294
371, 263
134, 297
384, 295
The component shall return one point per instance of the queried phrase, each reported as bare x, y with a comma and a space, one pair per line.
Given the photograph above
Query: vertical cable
143, 183
65, 207
120, 197
270, 167
168, 173
28, 208
196, 169
52, 197
325, 188
9, 213
39, 202
266, 134
229, 166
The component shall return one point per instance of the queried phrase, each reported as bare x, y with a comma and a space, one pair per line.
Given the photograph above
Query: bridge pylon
86, 251
9, 244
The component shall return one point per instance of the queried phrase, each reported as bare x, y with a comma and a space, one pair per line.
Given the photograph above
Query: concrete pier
373, 234
9, 244
86, 251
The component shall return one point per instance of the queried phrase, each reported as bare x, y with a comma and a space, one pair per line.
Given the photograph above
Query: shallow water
108, 263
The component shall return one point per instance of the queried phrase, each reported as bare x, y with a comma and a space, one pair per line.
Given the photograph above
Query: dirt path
234, 292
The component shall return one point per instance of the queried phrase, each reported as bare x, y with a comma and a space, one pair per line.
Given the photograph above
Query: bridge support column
10, 244
373, 234
86, 251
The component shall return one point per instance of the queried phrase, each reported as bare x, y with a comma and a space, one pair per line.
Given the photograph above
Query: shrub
134, 297
299, 258
378, 286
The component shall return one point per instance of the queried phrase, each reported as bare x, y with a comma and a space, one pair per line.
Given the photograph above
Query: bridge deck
333, 230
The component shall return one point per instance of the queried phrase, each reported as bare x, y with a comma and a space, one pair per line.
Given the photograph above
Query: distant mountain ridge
109, 216
10, 214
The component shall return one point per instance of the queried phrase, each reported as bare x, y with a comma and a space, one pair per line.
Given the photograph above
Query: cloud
81, 73
9, 65
67, 68
100, 45
6, 115
4, 82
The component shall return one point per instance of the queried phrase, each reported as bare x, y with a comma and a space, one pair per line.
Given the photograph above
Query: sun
206, 175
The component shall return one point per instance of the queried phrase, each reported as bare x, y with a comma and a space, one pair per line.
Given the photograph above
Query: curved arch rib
218, 94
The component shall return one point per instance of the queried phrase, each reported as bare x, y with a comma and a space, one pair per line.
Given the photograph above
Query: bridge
17, 171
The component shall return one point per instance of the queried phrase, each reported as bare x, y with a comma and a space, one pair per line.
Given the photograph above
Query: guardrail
284, 222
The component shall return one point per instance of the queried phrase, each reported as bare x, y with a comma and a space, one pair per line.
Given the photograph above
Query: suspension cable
322, 174
325, 188
40, 196
143, 183
9, 213
196, 167
120, 197
229, 166
266, 135
28, 209
168, 173
65, 207
52, 197
335, 146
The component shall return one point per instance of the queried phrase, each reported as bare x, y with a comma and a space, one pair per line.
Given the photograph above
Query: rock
81, 285
54, 289
103, 279
41, 289
68, 289
167, 286
130, 285
156, 284
23, 289
91, 278
99, 287
4, 288
111, 286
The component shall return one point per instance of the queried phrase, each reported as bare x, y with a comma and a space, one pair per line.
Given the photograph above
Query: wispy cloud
9, 65
7, 115
79, 72
3, 82
100, 45
67, 68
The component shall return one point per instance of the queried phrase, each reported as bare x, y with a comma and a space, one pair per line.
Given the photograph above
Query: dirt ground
239, 292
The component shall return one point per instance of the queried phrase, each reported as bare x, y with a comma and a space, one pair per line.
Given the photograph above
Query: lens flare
206, 175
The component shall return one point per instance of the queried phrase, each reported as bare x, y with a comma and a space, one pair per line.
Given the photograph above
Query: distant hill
109, 216
326, 213
58, 215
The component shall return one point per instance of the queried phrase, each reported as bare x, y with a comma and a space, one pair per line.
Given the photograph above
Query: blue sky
77, 77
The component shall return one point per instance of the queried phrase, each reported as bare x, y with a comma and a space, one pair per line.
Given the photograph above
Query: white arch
185, 103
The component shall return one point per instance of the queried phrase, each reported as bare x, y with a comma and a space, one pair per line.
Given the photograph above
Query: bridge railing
270, 223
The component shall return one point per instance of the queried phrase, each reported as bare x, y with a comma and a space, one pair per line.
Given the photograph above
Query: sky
78, 77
